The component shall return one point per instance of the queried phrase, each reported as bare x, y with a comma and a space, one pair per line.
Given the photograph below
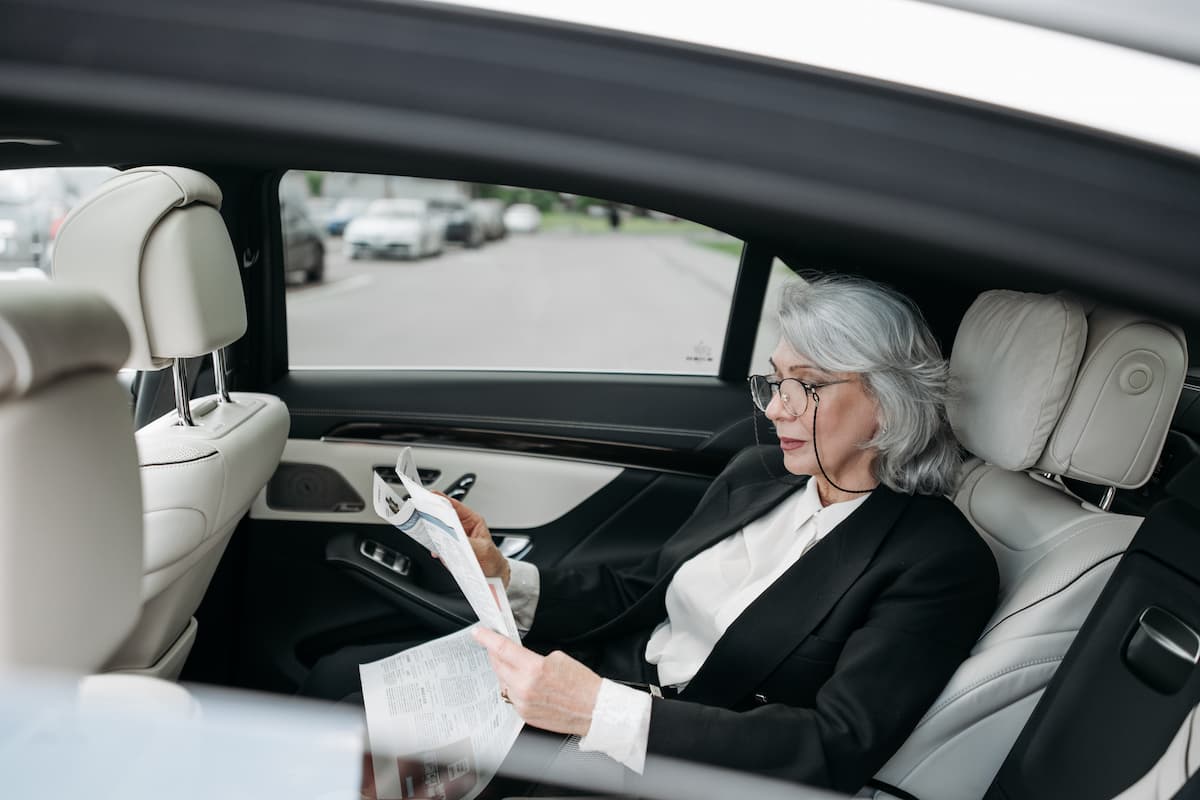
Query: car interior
218, 524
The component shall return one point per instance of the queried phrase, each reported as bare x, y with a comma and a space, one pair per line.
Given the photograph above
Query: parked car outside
463, 224
522, 218
303, 245
346, 210
33, 203
401, 228
491, 211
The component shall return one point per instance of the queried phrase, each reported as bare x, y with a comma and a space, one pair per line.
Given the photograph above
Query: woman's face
847, 417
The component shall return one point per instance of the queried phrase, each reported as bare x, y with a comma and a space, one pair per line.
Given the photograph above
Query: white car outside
398, 228
522, 218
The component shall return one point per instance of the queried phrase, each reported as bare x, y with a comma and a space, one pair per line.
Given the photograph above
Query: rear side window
33, 203
394, 272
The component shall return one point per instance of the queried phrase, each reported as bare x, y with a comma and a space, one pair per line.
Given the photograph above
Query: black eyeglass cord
817, 405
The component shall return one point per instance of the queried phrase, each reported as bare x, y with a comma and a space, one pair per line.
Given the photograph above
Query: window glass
394, 272
33, 203
768, 327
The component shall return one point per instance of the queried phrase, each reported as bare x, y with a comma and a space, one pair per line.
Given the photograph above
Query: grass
562, 222
731, 246
582, 223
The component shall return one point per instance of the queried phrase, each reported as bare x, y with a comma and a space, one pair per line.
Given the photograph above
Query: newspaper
437, 725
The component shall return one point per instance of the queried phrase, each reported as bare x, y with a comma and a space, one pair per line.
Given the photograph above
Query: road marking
327, 289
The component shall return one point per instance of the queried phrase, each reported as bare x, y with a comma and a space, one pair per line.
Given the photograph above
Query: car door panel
511, 491
591, 468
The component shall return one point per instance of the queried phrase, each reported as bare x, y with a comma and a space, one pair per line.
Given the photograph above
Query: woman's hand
491, 561
555, 692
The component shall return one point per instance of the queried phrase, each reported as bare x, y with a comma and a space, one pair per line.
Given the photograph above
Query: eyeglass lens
794, 397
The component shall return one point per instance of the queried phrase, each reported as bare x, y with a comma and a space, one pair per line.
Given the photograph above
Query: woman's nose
776, 409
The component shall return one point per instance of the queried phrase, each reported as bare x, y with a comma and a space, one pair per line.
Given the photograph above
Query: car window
768, 327
33, 204
403, 272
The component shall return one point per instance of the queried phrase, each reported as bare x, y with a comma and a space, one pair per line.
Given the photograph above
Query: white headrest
1116, 420
70, 496
152, 241
47, 332
1014, 362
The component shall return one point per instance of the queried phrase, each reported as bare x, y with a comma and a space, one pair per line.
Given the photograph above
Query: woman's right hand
491, 561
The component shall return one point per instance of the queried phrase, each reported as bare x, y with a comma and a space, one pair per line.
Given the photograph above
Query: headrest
71, 544
152, 241
1116, 420
48, 332
1014, 362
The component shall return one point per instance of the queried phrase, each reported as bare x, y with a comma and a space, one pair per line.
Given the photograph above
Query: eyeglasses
762, 389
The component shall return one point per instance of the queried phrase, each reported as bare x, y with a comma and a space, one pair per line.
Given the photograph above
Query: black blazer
824, 676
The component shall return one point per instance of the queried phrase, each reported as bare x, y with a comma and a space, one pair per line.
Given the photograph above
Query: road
561, 300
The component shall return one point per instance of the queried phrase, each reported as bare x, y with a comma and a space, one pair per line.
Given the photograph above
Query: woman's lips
791, 444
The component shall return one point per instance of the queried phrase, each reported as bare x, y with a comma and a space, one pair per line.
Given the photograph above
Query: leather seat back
70, 503
1047, 388
152, 241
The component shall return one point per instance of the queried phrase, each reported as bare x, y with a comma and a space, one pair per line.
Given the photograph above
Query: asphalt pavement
558, 300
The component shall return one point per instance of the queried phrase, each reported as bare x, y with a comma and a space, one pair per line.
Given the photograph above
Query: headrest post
1106, 501
219, 371
182, 402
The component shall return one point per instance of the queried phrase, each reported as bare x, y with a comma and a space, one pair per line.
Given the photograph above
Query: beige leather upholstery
1113, 428
153, 241
1015, 360
1178, 763
70, 503
198, 483
1047, 378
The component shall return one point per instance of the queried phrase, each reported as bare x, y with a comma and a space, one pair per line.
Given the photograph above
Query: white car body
398, 228
522, 218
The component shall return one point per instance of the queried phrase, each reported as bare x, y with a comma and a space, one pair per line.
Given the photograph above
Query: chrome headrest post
1106, 500
219, 371
183, 403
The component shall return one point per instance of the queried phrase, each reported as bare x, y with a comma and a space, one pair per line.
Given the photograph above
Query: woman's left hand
555, 692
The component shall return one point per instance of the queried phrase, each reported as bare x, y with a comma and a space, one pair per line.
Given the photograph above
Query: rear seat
1047, 388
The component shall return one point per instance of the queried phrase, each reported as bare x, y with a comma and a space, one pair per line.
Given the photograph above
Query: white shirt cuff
620, 725
524, 586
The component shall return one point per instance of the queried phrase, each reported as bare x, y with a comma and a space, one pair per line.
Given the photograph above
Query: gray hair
849, 324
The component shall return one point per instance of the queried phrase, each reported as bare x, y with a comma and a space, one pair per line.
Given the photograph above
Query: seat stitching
177, 463
1058, 591
1081, 529
988, 679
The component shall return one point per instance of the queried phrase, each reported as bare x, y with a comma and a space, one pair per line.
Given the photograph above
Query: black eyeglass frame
776, 384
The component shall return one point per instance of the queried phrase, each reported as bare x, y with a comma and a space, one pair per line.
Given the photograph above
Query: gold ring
504, 695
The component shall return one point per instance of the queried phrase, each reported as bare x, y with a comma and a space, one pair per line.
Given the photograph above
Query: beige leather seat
152, 241
1047, 388
70, 503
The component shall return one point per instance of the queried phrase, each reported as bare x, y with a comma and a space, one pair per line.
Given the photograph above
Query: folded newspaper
437, 724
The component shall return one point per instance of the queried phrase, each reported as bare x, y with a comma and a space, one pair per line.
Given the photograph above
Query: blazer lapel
713, 522
781, 617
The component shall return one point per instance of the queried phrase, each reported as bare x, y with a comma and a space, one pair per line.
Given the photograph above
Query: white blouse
705, 596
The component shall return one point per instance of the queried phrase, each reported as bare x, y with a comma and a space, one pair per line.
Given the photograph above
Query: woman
806, 615
800, 627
